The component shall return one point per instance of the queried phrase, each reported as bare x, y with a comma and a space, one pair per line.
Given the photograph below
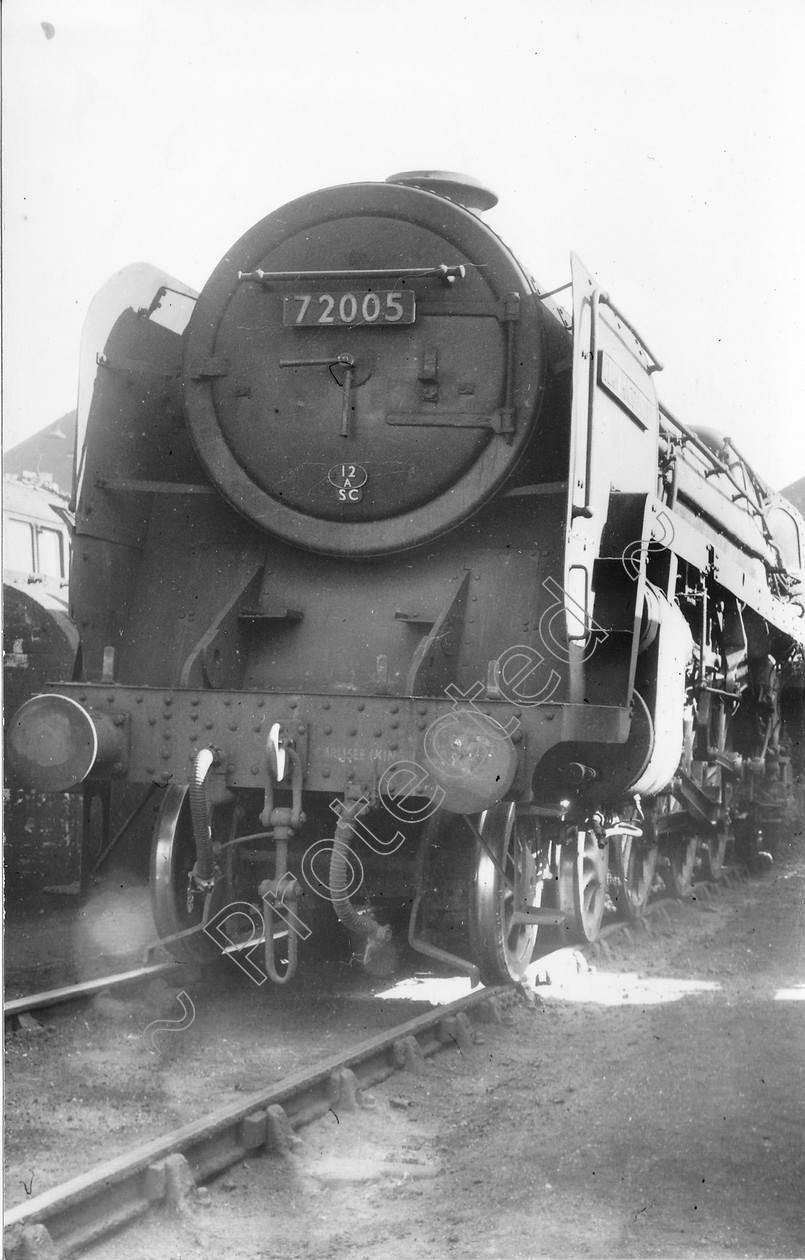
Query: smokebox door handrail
449, 274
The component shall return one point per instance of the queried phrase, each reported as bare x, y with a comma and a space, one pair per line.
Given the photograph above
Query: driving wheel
509, 878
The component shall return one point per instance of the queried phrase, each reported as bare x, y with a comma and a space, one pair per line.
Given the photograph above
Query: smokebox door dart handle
332, 360
345, 361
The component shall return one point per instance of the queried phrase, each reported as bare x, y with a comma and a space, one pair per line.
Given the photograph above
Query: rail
121, 1189
55, 997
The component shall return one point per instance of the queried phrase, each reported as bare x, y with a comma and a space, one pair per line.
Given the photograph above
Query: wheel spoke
582, 883
714, 850
506, 881
635, 866
681, 853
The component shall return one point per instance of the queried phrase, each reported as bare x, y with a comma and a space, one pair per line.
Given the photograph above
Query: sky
662, 140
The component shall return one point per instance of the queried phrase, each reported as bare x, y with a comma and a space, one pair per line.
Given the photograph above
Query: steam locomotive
416, 606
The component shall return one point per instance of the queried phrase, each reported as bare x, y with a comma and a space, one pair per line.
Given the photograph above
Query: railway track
72, 1216
16, 1008
171, 1168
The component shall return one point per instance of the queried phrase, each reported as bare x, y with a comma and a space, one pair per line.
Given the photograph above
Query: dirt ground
651, 1107
88, 1078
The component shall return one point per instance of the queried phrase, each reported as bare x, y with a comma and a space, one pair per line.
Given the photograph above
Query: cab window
51, 556
30, 548
18, 546
785, 533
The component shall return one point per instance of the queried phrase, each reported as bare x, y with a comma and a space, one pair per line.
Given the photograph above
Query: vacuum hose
362, 925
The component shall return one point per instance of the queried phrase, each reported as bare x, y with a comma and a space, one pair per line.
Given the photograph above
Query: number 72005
392, 306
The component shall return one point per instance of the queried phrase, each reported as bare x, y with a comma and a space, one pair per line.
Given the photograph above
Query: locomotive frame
424, 596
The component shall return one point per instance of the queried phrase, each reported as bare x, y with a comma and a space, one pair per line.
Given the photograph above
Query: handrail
656, 364
442, 272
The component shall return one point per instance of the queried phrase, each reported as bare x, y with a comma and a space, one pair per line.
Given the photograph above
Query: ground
651, 1107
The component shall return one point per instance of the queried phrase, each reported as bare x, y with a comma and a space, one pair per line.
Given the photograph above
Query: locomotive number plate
380, 306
